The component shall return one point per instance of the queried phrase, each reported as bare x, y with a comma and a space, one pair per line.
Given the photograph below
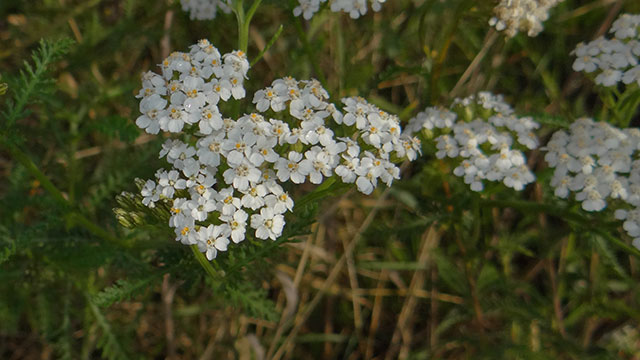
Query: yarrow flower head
599, 164
229, 175
355, 8
481, 134
513, 16
612, 61
205, 9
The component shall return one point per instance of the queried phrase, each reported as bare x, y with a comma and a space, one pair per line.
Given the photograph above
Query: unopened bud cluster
514, 16
612, 61
481, 135
230, 173
355, 8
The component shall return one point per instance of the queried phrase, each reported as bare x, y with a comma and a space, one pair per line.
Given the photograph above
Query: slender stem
24, 159
46, 183
244, 20
268, 46
95, 229
206, 264
309, 51
243, 38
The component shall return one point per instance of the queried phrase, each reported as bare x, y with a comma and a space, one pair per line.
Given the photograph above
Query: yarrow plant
514, 16
205, 9
482, 135
355, 8
612, 61
600, 164
230, 174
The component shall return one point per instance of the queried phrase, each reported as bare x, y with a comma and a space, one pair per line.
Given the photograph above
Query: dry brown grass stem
374, 325
165, 42
403, 333
489, 40
353, 282
168, 293
333, 275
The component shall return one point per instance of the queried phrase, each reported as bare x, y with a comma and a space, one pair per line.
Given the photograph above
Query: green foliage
118, 127
123, 290
111, 347
34, 83
7, 245
436, 271
253, 300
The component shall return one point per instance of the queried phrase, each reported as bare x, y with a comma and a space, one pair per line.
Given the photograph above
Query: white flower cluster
612, 60
189, 89
204, 9
514, 16
355, 8
597, 162
362, 158
230, 175
485, 146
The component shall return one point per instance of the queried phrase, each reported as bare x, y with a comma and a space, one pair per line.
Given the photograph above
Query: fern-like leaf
252, 300
33, 81
122, 290
7, 245
108, 342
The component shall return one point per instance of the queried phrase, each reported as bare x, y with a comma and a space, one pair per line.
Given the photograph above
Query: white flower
268, 224
241, 174
201, 206
152, 108
211, 120
204, 9
279, 200
237, 223
212, 239
239, 146
170, 182
151, 193
254, 196
210, 149
227, 203
293, 168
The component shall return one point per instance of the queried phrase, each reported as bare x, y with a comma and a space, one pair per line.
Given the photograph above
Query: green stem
206, 264
33, 169
309, 51
96, 230
243, 39
268, 46
628, 104
57, 195
244, 20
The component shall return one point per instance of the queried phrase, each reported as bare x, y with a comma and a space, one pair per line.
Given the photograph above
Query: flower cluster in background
355, 8
612, 61
483, 146
230, 175
204, 9
513, 16
597, 162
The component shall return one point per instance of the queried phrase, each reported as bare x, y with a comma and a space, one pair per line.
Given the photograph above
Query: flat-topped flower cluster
599, 163
481, 134
355, 8
513, 16
228, 174
205, 9
612, 61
